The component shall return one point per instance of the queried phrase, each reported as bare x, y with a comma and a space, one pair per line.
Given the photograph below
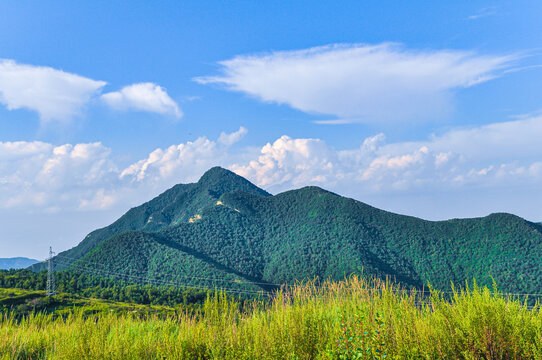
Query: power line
185, 276
81, 262
159, 282
131, 276
81, 265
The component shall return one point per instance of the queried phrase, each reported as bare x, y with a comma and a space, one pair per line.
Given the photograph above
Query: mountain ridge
224, 227
16, 263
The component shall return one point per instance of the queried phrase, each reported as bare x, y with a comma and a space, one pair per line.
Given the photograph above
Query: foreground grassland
354, 319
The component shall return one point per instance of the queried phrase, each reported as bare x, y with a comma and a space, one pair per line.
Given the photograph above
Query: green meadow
352, 319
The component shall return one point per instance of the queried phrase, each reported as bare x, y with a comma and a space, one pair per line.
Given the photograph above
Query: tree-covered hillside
225, 232
170, 208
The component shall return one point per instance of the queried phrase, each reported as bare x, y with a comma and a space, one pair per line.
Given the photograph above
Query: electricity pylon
51, 289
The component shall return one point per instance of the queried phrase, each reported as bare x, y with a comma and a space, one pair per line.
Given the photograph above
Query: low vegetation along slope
224, 232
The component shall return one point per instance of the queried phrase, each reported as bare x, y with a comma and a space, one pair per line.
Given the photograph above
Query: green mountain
175, 206
225, 232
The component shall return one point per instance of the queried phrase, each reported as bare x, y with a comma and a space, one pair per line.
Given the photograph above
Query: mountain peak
221, 180
215, 174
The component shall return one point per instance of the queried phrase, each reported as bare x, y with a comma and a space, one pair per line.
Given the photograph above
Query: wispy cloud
337, 121
484, 12
53, 94
143, 97
232, 138
357, 82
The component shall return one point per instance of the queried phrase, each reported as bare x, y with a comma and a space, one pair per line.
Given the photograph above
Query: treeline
92, 286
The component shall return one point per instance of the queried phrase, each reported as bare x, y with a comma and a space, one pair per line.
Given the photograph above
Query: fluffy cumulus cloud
143, 97
57, 95
503, 159
504, 155
182, 161
41, 175
291, 161
185, 161
360, 83
53, 94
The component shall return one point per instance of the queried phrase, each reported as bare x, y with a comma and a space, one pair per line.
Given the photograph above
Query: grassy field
354, 319
19, 302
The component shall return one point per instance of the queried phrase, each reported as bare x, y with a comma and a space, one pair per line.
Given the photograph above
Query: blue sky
430, 109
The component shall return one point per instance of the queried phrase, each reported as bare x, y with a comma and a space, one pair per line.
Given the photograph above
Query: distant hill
224, 231
16, 263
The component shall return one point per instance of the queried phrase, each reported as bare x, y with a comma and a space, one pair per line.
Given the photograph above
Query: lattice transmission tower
51, 288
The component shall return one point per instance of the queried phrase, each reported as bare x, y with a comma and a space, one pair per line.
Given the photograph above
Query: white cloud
37, 175
143, 97
484, 12
53, 94
360, 83
501, 155
81, 164
177, 161
183, 162
230, 139
58, 95
502, 159
506, 141
292, 162
101, 200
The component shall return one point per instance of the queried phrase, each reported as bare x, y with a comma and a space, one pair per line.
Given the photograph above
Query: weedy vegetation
353, 319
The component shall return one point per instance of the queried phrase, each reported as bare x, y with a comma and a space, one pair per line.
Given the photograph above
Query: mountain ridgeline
16, 263
224, 232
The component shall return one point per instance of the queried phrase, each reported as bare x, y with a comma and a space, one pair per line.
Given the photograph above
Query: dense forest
224, 232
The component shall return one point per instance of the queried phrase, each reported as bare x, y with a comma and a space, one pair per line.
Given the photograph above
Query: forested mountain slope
172, 207
225, 232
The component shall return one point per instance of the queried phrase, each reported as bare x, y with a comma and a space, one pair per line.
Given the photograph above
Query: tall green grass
353, 319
